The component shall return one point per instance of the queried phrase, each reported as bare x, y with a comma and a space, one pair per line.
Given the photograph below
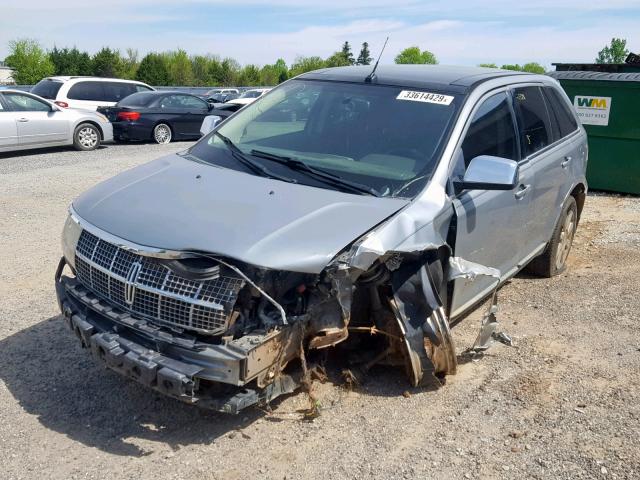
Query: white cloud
463, 32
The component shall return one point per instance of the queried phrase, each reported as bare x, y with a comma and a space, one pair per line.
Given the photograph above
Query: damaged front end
225, 335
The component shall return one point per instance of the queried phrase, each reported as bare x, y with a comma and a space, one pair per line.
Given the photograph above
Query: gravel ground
563, 403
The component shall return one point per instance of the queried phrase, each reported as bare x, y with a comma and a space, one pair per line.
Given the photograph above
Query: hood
243, 101
177, 204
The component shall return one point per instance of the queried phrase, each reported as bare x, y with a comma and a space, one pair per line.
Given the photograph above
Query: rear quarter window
561, 112
47, 89
141, 99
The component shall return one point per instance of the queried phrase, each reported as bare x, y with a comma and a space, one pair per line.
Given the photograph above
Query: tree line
31, 62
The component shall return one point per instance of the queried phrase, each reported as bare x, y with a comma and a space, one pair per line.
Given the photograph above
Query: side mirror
209, 123
490, 173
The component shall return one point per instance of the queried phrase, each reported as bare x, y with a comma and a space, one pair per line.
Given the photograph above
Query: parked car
159, 116
249, 96
225, 110
223, 97
217, 115
215, 91
28, 121
87, 92
360, 210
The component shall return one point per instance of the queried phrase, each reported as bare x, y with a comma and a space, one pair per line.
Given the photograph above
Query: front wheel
162, 133
86, 137
553, 260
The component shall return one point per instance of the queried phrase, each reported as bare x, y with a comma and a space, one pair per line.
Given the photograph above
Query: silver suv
344, 210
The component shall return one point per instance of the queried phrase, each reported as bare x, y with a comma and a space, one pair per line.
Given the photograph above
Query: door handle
566, 161
522, 191
23, 119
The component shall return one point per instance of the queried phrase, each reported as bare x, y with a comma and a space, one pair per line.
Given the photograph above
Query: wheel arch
579, 193
90, 122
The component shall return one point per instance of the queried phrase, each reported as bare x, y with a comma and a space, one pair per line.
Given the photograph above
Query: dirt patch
563, 403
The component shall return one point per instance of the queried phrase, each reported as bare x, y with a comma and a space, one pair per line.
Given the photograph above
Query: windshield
47, 89
386, 138
251, 94
141, 99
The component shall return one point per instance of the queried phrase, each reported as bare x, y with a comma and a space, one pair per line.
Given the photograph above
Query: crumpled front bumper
220, 377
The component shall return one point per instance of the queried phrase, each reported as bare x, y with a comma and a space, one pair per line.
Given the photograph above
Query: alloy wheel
88, 137
162, 134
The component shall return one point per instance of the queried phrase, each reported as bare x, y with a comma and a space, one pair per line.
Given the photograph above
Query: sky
462, 32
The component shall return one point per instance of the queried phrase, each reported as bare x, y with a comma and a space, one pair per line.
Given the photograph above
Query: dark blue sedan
158, 116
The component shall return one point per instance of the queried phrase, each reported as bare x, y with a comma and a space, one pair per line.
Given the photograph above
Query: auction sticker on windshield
424, 97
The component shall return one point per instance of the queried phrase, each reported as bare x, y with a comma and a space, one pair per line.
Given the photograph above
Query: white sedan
249, 96
29, 121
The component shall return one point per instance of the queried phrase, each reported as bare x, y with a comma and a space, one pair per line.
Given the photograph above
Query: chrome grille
159, 295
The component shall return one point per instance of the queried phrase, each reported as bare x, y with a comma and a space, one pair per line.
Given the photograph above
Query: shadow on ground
41, 151
53, 378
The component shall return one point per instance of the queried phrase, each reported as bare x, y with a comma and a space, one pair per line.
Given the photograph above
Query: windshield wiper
246, 161
299, 165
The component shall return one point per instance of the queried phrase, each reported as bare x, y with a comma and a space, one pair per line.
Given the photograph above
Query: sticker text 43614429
425, 97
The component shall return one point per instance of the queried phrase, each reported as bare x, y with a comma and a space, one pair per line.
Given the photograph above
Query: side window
561, 112
86, 91
492, 131
533, 119
142, 88
1, 104
24, 103
171, 101
116, 91
192, 103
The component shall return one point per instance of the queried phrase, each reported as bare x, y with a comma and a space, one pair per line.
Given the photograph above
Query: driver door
491, 224
37, 123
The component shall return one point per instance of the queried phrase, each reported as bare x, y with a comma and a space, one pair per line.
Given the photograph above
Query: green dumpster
608, 105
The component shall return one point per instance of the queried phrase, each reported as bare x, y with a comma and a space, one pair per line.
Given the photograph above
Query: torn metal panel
421, 226
418, 309
461, 268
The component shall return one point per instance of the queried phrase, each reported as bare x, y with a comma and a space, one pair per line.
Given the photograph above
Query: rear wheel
554, 259
86, 137
162, 133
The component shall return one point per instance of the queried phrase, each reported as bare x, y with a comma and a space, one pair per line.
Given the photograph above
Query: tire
86, 137
162, 133
553, 260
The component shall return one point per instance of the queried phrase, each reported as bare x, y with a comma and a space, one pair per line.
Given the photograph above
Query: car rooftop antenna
373, 72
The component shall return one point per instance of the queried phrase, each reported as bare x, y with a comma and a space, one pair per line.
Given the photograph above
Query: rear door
36, 123
196, 111
185, 112
8, 127
565, 157
87, 94
491, 225
548, 155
